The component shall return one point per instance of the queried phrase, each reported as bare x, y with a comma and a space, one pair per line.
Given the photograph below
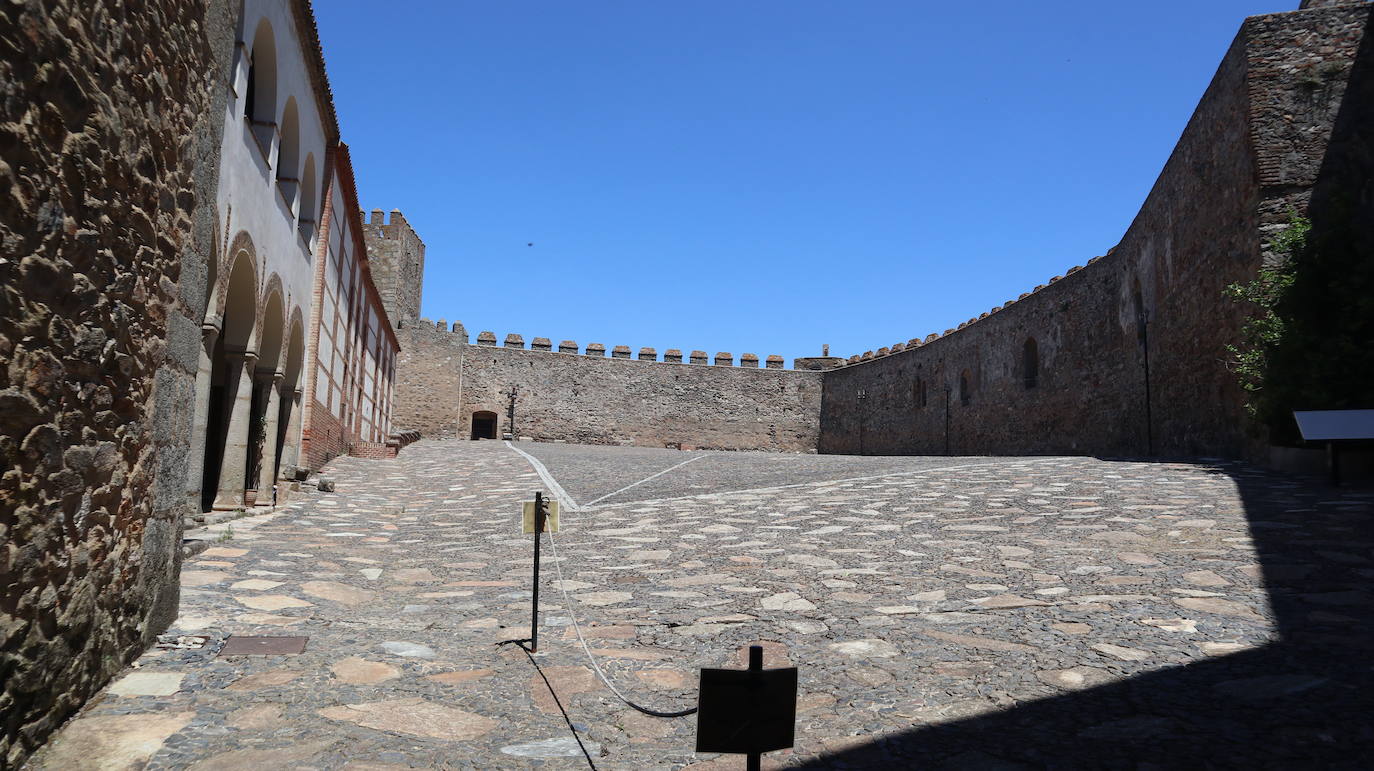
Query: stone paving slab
1015, 612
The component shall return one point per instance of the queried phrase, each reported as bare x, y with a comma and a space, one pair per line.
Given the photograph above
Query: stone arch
238, 304
242, 243
260, 101
273, 284
231, 371
271, 326
289, 416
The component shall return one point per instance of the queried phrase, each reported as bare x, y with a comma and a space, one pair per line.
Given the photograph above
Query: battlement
396, 256
457, 334
916, 342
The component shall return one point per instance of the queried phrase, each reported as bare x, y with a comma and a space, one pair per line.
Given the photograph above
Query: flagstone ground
910, 592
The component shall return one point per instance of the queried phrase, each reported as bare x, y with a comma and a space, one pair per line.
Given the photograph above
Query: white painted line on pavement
645, 479
913, 472
564, 500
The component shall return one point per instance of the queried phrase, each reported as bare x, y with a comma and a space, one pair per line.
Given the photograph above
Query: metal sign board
550, 518
746, 711
1335, 425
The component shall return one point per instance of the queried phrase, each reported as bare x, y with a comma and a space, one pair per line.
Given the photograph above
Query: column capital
264, 375
244, 356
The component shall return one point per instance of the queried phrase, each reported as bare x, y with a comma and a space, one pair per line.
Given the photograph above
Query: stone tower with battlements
397, 259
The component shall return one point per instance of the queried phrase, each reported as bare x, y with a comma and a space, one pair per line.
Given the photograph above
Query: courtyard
948, 612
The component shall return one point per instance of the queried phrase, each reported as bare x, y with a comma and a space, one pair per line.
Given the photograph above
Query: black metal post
538, 531
754, 760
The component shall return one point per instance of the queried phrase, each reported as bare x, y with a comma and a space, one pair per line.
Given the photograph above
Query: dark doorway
483, 425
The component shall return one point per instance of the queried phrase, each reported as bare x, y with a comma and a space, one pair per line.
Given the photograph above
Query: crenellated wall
593, 398
1251, 153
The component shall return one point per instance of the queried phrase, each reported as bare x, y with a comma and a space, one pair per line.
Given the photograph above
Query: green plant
1264, 330
227, 534
1305, 341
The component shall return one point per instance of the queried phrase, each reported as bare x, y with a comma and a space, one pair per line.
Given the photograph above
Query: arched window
289, 156
309, 200
918, 393
1138, 303
965, 392
1030, 363
260, 99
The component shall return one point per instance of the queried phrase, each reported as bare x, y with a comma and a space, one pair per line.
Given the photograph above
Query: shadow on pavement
1303, 701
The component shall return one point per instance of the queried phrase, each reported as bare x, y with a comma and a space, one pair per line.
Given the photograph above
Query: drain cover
263, 646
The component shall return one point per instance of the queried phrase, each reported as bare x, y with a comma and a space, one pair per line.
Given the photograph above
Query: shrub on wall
1307, 342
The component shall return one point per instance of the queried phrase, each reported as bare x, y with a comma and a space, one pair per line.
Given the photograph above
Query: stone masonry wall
1249, 154
595, 399
397, 258
107, 154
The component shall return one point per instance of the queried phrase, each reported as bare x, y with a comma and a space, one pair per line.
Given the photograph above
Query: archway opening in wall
235, 338
484, 425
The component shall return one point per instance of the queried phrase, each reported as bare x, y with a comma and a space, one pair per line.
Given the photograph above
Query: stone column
267, 477
291, 445
195, 473
238, 392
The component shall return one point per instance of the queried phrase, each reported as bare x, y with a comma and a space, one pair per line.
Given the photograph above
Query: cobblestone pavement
948, 612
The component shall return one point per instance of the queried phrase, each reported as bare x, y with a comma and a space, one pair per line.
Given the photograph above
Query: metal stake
754, 760
538, 530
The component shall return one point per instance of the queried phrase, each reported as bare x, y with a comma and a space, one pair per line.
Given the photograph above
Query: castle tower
397, 258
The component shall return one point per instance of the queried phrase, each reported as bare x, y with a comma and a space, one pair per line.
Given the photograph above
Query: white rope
567, 602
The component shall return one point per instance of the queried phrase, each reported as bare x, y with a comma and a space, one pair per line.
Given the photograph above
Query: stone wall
397, 257
109, 137
595, 399
1249, 155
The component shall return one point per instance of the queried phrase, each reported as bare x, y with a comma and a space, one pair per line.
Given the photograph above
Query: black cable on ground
556, 700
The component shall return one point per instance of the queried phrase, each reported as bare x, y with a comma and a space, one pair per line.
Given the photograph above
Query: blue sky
761, 176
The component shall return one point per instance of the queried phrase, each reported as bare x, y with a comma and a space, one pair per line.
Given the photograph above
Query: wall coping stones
596, 349
515, 341
567, 346
541, 344
774, 361
486, 338
648, 354
698, 357
748, 360
620, 352
725, 359
673, 356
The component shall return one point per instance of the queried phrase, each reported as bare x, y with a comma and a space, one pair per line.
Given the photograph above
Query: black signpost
749, 711
539, 515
